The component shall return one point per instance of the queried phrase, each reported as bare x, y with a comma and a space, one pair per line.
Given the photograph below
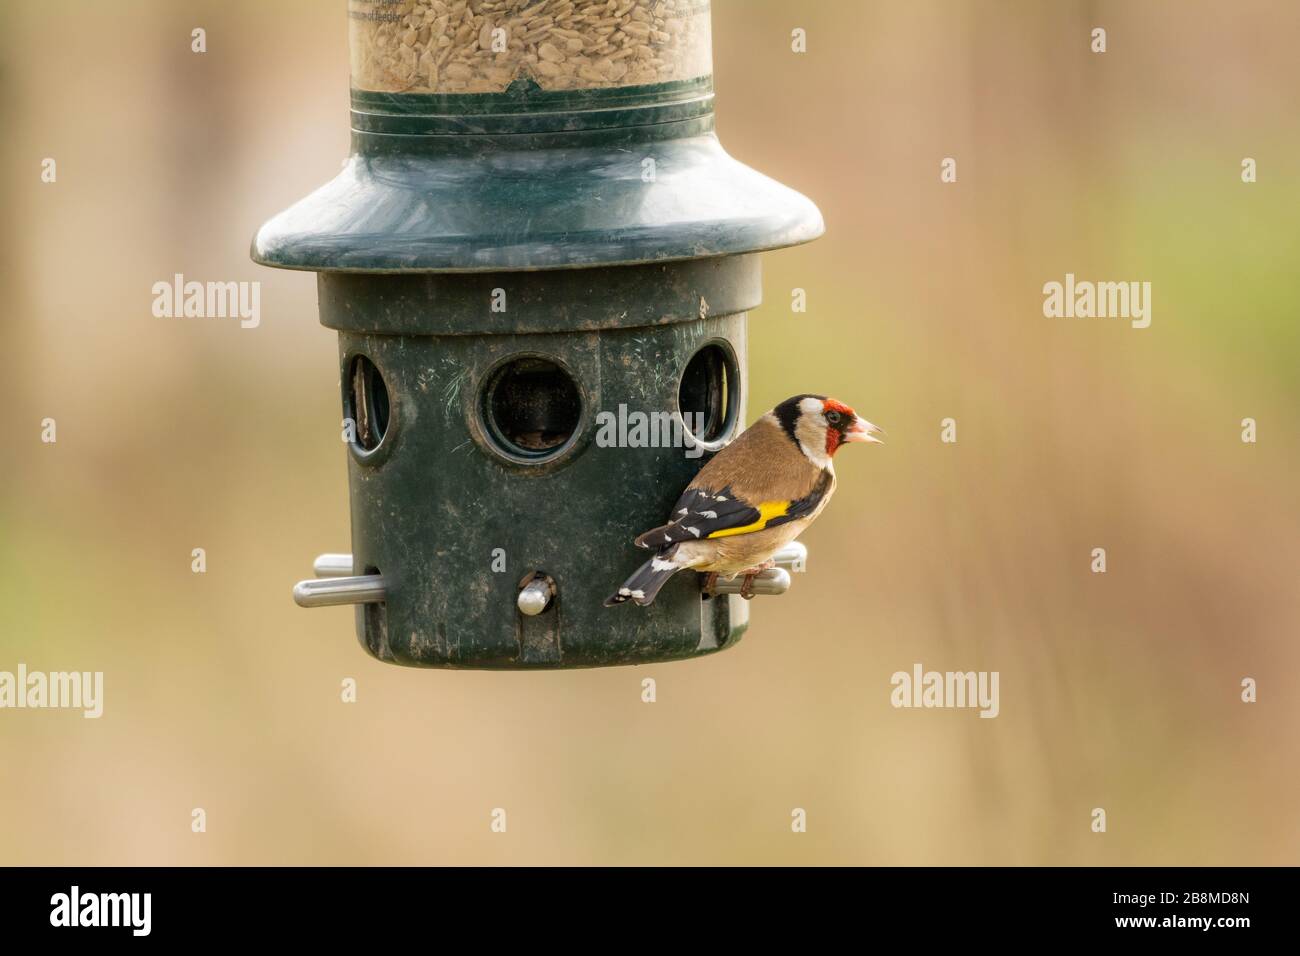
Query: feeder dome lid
541, 180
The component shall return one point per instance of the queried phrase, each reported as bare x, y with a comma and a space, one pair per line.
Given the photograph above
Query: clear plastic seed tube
482, 46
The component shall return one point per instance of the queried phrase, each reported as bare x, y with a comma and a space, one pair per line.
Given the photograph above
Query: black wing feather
700, 513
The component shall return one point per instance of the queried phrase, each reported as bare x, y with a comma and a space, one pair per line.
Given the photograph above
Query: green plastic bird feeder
536, 240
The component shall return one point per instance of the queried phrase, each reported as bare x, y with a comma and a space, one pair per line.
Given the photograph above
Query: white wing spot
708, 514
694, 531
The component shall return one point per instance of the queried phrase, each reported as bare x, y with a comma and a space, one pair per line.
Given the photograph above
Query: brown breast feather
763, 464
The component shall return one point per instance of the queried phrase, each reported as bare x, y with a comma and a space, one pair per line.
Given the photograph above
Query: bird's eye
834, 417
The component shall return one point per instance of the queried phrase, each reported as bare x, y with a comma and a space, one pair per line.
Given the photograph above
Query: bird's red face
844, 425
820, 425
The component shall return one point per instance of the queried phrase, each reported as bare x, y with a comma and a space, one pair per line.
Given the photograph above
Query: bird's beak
863, 430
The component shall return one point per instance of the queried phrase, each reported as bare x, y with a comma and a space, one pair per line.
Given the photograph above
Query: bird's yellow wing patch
766, 512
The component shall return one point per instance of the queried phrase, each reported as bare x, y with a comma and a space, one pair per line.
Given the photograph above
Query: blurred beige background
1118, 691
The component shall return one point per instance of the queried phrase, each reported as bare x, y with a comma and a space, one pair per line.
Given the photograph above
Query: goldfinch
752, 499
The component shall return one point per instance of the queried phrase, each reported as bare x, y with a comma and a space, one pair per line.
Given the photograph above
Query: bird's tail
644, 584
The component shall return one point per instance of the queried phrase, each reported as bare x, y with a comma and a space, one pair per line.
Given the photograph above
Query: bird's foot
747, 586
710, 582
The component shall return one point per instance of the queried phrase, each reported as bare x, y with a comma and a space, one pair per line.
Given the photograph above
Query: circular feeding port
708, 396
367, 403
532, 408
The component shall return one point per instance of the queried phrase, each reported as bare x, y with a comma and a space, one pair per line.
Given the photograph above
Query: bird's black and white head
820, 425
